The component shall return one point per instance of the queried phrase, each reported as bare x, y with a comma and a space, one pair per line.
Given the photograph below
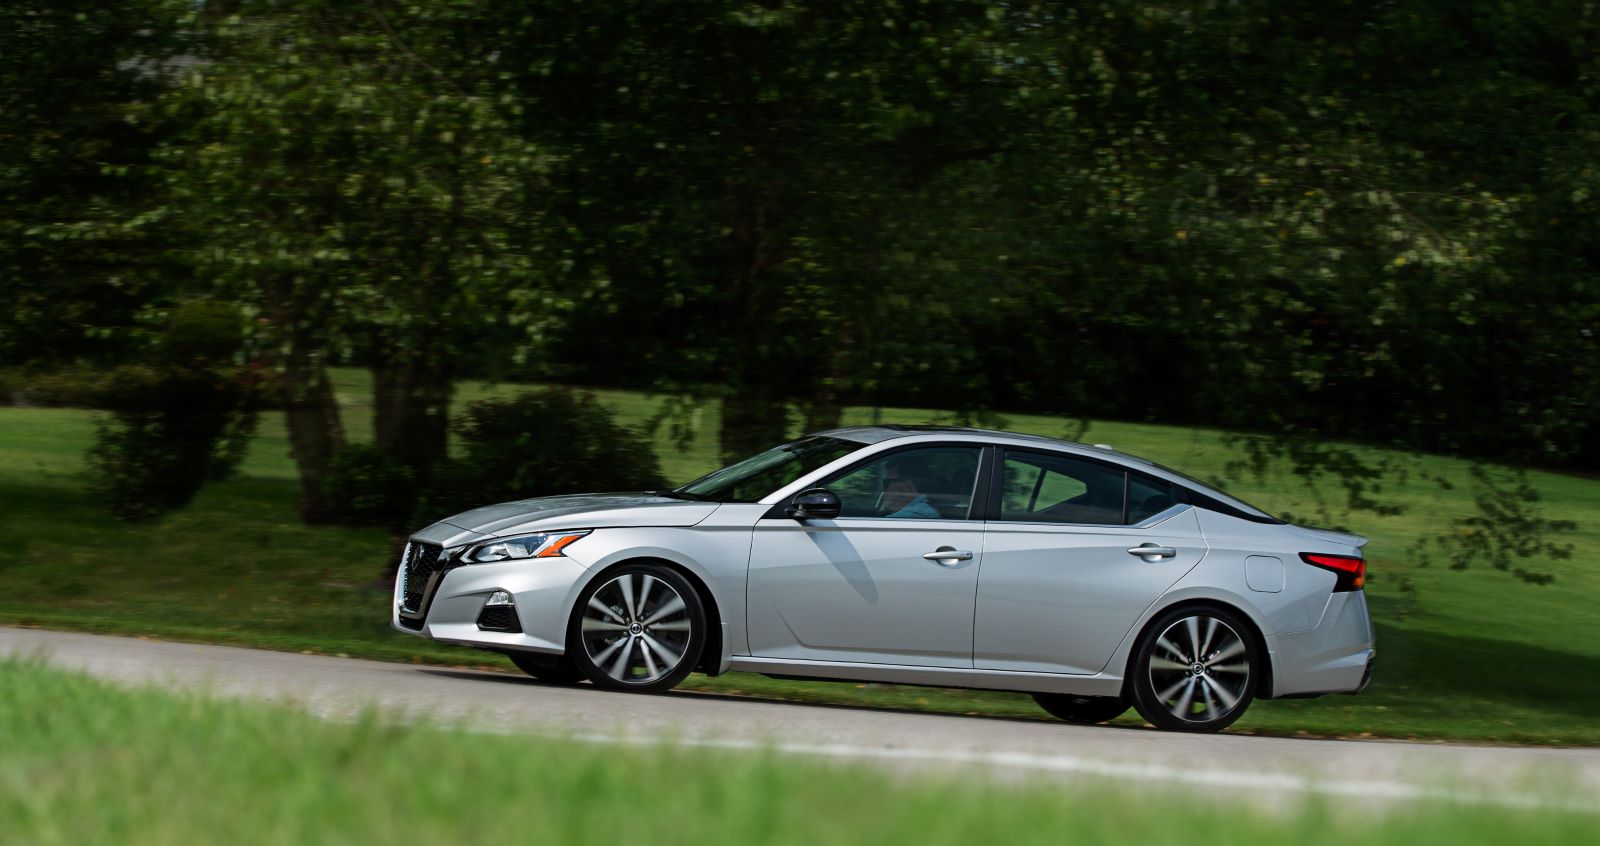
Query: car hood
579, 511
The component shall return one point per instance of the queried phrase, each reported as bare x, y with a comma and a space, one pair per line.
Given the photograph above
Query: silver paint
1038, 607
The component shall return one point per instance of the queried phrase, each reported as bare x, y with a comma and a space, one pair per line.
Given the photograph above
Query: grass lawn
1478, 656
89, 763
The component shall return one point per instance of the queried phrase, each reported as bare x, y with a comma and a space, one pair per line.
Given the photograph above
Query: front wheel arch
711, 657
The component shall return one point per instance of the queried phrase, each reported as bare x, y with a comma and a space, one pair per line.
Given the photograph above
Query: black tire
548, 669
1198, 677
623, 648
1083, 710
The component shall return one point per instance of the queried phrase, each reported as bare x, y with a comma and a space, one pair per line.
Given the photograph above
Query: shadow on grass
1482, 669
69, 499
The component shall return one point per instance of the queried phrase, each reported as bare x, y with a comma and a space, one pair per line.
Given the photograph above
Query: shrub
70, 386
540, 443
176, 422
369, 487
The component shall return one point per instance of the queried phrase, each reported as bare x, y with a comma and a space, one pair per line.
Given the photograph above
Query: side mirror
815, 504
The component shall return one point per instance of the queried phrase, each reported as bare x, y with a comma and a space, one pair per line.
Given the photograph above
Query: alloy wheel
637, 629
1199, 670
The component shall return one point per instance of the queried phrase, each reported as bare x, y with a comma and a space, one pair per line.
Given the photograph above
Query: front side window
759, 475
933, 483
1041, 488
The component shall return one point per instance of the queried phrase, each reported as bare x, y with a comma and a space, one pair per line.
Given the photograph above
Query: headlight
527, 546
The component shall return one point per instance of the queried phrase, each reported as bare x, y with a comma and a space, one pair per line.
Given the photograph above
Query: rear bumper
1335, 656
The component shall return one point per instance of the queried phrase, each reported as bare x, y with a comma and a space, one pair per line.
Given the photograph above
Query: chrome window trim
1150, 522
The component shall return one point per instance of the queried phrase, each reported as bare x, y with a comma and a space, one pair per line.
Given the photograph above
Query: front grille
499, 618
420, 561
419, 566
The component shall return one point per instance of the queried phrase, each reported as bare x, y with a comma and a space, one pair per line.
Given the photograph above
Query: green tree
723, 168
1296, 218
362, 205
77, 265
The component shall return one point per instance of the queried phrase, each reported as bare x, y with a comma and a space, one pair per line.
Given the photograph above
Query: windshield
757, 476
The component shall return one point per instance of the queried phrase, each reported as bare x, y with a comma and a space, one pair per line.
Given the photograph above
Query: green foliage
1307, 253
201, 333
1365, 221
1507, 529
82, 248
178, 422
540, 443
101, 764
367, 486
79, 385
1316, 463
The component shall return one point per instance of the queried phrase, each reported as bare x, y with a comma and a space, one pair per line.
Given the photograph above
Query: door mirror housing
815, 504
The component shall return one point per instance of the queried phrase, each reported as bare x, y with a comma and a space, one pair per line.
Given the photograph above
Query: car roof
889, 431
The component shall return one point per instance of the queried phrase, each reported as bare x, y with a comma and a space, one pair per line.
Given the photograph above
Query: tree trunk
824, 411
411, 415
826, 407
311, 414
752, 421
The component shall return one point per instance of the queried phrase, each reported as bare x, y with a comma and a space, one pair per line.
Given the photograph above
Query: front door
863, 588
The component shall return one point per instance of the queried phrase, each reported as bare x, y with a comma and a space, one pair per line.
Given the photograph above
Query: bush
176, 422
369, 487
540, 443
72, 386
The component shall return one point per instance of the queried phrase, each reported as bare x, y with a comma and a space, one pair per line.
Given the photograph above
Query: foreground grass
88, 763
1479, 656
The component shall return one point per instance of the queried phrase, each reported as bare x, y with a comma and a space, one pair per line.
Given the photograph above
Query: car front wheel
1195, 669
640, 627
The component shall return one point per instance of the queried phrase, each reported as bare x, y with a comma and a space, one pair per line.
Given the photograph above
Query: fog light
499, 614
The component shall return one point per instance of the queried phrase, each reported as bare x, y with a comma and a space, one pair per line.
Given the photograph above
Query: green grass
1479, 656
88, 763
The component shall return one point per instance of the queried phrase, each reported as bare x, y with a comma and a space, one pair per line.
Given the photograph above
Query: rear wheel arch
1259, 640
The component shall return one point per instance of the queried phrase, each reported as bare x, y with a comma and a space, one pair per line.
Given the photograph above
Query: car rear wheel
550, 670
640, 627
1195, 669
1084, 710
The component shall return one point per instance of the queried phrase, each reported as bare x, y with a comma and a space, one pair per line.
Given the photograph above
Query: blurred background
286, 279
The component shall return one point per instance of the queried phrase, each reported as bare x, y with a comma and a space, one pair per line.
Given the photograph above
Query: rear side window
1039, 488
1148, 497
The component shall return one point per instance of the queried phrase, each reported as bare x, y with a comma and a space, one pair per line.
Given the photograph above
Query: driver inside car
901, 496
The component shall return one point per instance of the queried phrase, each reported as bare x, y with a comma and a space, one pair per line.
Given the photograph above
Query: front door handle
947, 555
1150, 551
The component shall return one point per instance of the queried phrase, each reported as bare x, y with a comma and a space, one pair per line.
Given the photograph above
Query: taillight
1352, 572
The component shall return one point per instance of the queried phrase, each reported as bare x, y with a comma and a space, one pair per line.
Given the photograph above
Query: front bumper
1335, 656
542, 588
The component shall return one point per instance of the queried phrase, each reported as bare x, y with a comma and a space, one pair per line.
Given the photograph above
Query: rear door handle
1150, 550
948, 556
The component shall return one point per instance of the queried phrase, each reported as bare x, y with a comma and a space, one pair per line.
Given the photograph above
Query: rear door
1059, 587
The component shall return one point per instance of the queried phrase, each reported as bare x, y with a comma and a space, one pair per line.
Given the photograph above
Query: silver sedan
1092, 579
